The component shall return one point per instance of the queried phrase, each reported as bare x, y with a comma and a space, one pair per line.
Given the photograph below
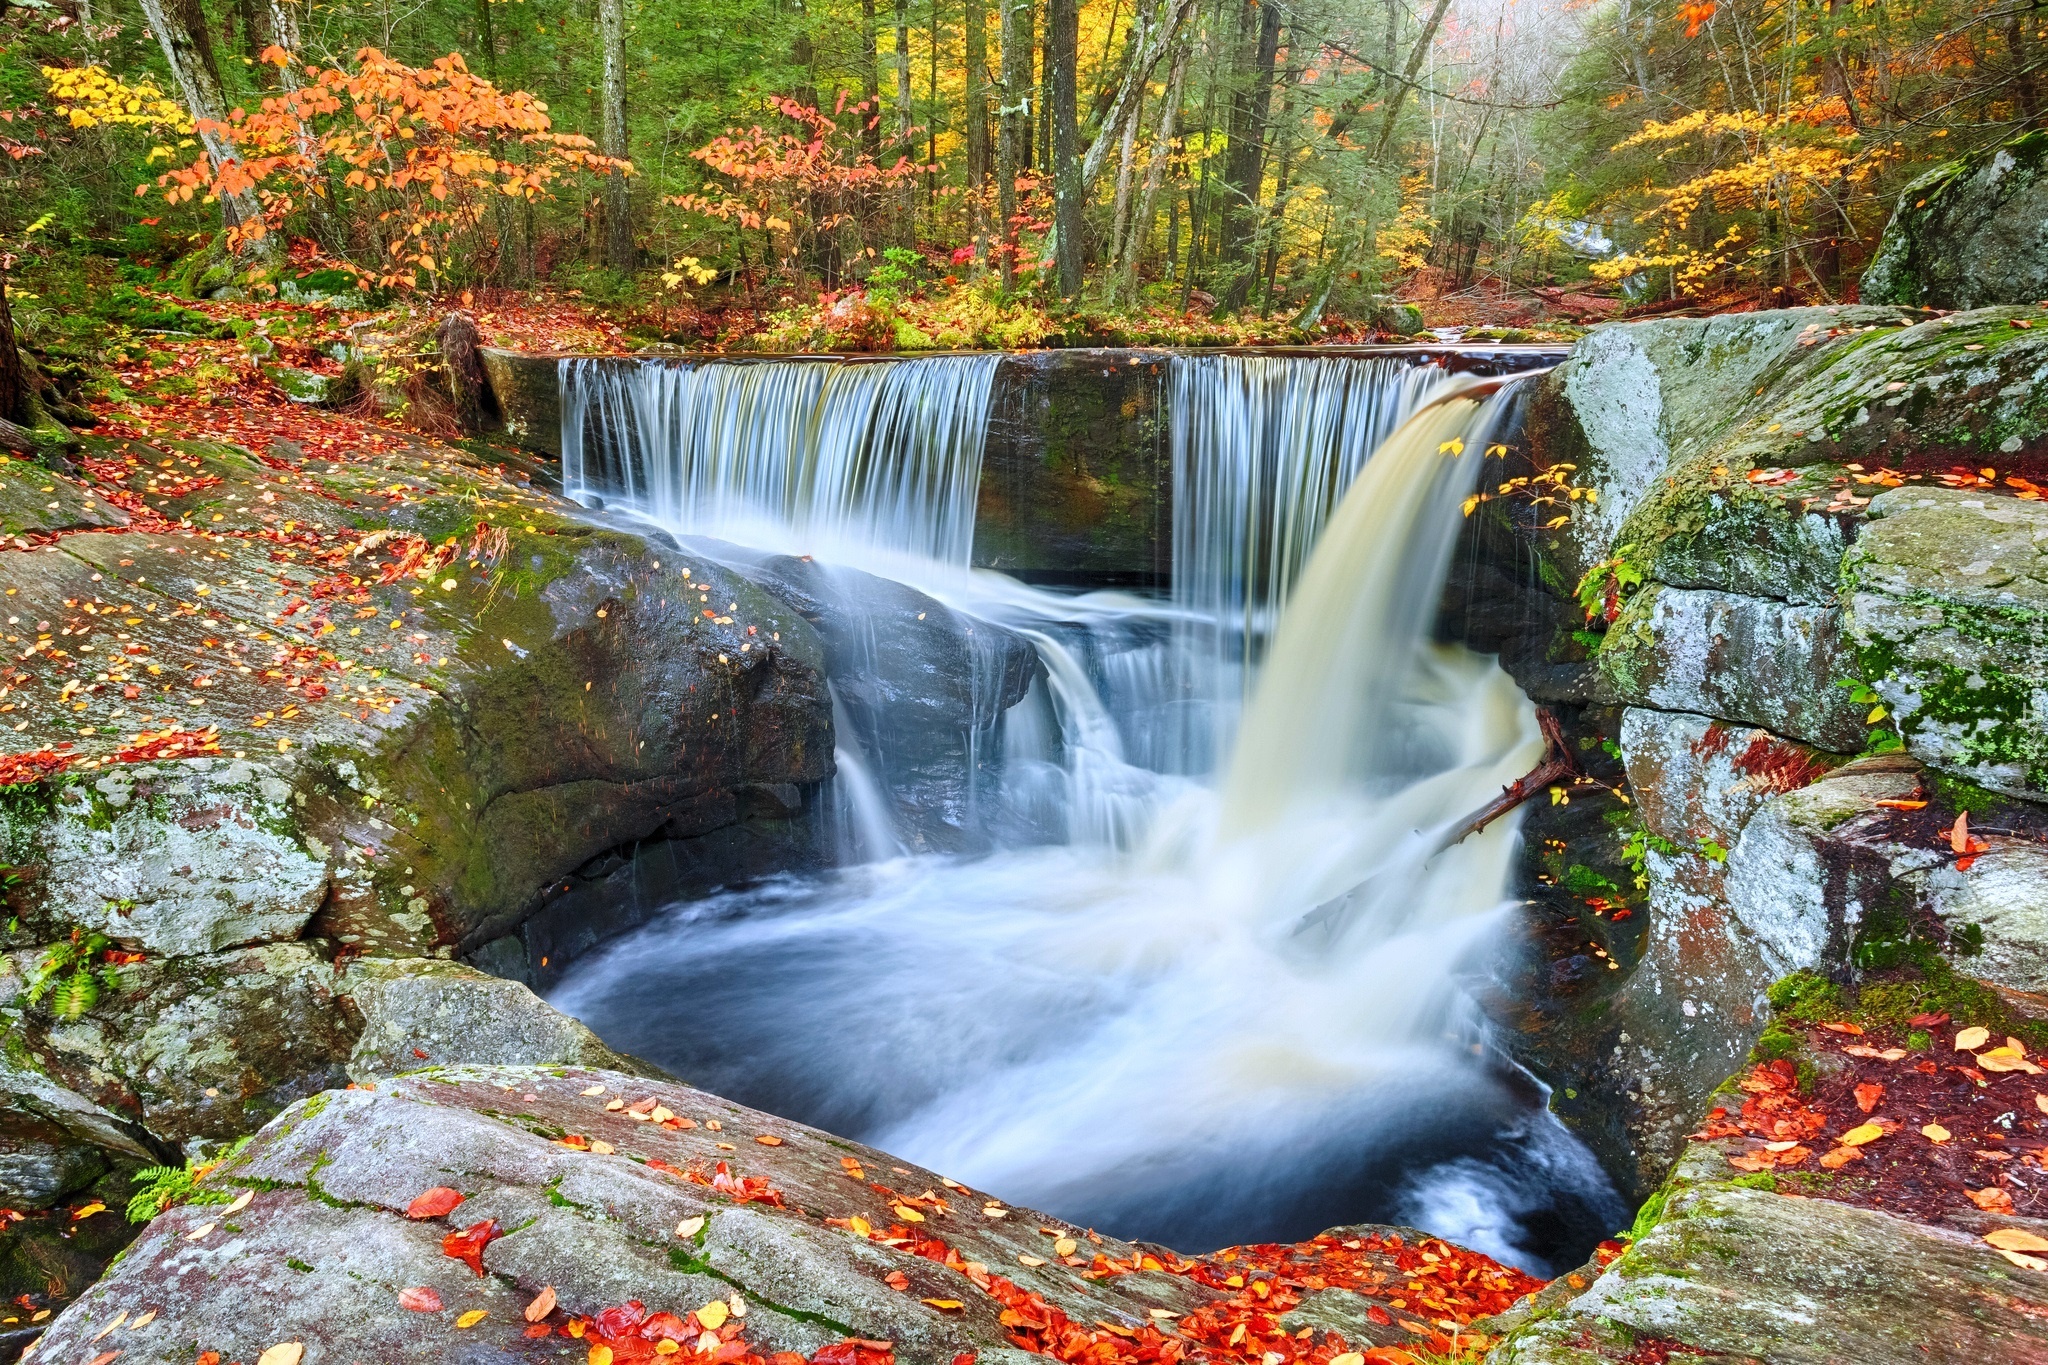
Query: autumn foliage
400, 164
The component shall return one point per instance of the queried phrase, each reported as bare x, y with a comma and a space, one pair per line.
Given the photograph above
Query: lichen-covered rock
1747, 659
1971, 232
1733, 1274
1718, 448
527, 391
2004, 895
324, 1248
418, 1014
177, 858
1947, 602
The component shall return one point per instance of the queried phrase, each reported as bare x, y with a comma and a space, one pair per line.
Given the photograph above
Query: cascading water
1199, 1001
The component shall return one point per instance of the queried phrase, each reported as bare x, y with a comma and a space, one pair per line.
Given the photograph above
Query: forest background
913, 173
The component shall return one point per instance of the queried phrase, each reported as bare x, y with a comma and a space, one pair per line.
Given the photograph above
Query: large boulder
1947, 600
1970, 232
596, 1198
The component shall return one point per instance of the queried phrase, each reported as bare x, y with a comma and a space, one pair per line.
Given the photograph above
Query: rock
920, 689
420, 1014
527, 391
1734, 1274
1666, 421
309, 387
1698, 779
1741, 658
322, 1251
179, 858
1969, 233
1947, 602
2005, 895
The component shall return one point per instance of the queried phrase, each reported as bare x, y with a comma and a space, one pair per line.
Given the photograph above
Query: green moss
1959, 794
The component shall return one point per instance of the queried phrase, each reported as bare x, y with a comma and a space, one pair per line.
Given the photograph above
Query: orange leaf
434, 1203
468, 1245
419, 1299
1867, 1096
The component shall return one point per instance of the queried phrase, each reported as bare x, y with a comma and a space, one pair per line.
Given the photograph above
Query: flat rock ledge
609, 1189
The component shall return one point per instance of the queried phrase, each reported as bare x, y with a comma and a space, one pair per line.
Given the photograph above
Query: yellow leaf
2016, 1239
713, 1315
1033, 1261
2024, 1261
1348, 1358
284, 1353
1970, 1039
861, 1225
945, 1305
1065, 1246
1934, 1132
594, 1090
908, 1214
1860, 1134
600, 1355
472, 1318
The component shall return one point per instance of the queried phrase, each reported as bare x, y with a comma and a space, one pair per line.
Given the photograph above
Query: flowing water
1196, 982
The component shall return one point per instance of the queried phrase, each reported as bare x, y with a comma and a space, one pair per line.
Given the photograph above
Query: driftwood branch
1556, 766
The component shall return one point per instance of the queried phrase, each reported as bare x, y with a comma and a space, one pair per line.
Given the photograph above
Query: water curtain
796, 454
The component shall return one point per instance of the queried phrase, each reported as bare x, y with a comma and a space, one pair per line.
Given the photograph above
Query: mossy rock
1969, 233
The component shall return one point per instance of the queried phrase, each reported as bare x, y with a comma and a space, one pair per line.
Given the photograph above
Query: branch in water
1557, 765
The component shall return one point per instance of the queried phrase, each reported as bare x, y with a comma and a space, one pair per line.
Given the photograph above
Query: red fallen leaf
897, 1280
468, 1245
1855, 1030
1928, 1020
1380, 1316
1867, 1096
666, 1327
1991, 1199
434, 1203
538, 1330
1966, 862
419, 1299
419, 1054
621, 1318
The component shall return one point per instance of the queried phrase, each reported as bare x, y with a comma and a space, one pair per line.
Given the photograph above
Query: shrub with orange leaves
805, 182
410, 157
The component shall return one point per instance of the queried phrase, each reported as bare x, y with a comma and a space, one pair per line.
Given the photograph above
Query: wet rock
1740, 658
527, 390
321, 1252
418, 1014
1947, 602
179, 858
2004, 895
1697, 779
1735, 1274
1969, 232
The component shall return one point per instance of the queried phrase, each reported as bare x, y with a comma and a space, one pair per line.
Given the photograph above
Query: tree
1244, 168
1062, 52
618, 221
191, 62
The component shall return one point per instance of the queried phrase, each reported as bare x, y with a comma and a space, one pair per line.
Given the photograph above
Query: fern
165, 1187
68, 974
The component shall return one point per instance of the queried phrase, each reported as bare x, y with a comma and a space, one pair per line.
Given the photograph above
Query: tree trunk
16, 391
871, 83
1062, 47
1244, 165
618, 209
1013, 123
1399, 94
1148, 45
905, 116
458, 339
190, 59
1162, 152
1127, 159
974, 23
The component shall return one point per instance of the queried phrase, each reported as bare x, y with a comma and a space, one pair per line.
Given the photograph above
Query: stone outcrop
1968, 233
598, 1203
1947, 599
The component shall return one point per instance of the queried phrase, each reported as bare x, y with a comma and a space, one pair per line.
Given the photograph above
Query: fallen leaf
240, 1202
1991, 1199
472, 1318
199, 1233
1902, 805
908, 1214
1065, 1246
1970, 1039
1959, 833
1840, 1157
284, 1353
1934, 1132
2016, 1239
1860, 1134
601, 1147
1928, 1020
1033, 1261
713, 1315
769, 1140
468, 1245
2041, 1102
2024, 1261
600, 1355
542, 1305
434, 1203
897, 1280
945, 1305
1853, 1029
690, 1227
1348, 1358
593, 1090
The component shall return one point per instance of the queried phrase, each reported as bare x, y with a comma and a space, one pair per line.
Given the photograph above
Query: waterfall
1196, 989
814, 455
